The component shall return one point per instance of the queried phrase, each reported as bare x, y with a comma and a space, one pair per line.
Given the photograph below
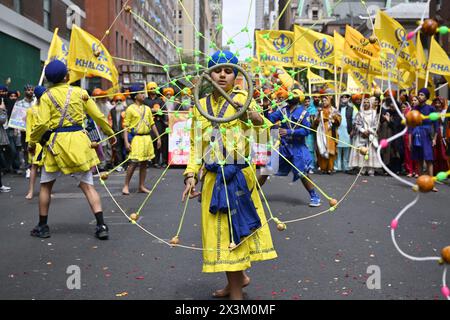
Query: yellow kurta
141, 145
73, 152
215, 227
32, 113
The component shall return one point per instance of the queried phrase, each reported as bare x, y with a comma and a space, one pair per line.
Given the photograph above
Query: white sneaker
4, 189
27, 174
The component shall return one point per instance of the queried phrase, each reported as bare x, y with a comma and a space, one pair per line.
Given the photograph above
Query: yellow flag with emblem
58, 49
90, 57
392, 37
358, 47
275, 48
313, 49
438, 63
315, 78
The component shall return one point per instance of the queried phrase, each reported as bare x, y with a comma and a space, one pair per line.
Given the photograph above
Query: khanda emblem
282, 42
400, 34
323, 48
100, 54
364, 42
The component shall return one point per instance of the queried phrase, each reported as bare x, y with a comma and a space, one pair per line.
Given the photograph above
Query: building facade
266, 15
26, 33
197, 24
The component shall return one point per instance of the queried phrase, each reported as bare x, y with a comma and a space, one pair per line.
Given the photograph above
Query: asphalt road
326, 257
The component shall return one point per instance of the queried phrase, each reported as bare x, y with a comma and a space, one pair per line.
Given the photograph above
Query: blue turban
39, 91
134, 90
28, 86
223, 57
56, 71
426, 92
3, 88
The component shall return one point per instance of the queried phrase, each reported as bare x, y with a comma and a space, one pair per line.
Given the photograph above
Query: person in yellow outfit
138, 124
231, 243
66, 147
32, 113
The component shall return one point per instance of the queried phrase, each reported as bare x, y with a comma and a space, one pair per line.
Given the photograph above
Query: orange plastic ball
430, 27
414, 118
373, 39
445, 253
94, 145
232, 246
175, 240
134, 216
281, 226
333, 202
425, 183
363, 150
104, 176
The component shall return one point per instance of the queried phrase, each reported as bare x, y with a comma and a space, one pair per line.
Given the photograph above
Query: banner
88, 57
313, 49
353, 86
179, 137
275, 47
18, 119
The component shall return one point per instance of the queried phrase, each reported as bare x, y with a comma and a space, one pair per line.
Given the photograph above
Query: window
18, 6
47, 9
315, 14
180, 14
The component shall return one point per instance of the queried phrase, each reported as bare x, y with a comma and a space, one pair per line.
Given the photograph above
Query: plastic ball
394, 224
366, 157
281, 226
107, 32
445, 253
104, 176
373, 39
85, 97
97, 53
232, 246
445, 291
363, 151
430, 27
414, 118
441, 176
174, 241
434, 116
127, 9
425, 183
384, 144
134, 216
333, 202
94, 145
410, 35
443, 30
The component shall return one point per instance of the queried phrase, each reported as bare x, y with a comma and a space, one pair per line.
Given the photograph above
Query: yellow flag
353, 86
421, 59
438, 63
359, 79
313, 49
275, 48
315, 78
58, 49
339, 43
88, 56
358, 47
392, 35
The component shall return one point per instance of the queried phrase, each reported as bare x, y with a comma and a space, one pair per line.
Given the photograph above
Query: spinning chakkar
424, 183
